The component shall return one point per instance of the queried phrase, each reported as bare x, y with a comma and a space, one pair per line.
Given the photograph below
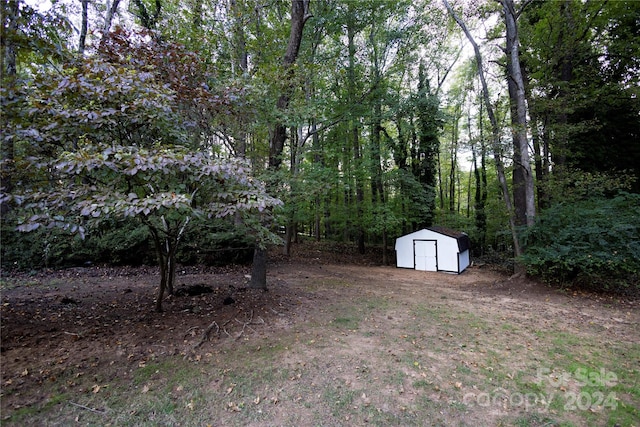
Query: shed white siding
433, 249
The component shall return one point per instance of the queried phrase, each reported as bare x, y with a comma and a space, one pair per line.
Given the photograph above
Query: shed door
425, 253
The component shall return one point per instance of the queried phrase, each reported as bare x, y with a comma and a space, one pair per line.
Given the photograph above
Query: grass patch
26, 413
350, 323
433, 360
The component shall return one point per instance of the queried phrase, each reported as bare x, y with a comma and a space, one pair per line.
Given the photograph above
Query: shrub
594, 244
212, 242
114, 242
215, 242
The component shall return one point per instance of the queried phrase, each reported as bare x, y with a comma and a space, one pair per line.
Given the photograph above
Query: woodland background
347, 121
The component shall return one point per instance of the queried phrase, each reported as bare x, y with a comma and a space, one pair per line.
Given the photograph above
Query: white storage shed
434, 249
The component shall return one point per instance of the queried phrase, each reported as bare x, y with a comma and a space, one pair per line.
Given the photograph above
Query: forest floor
336, 340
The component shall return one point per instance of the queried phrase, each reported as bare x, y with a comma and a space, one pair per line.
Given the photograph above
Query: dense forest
207, 131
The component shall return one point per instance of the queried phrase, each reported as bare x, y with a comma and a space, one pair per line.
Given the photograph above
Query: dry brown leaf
232, 406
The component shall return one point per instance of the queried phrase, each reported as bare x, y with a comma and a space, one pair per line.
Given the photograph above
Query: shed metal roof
464, 242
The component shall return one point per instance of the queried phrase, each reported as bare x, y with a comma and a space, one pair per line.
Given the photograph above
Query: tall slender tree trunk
111, 11
147, 20
355, 132
83, 26
299, 16
428, 147
481, 187
241, 63
440, 182
377, 190
523, 185
473, 165
454, 162
495, 132
317, 158
290, 227
328, 227
536, 139
354, 123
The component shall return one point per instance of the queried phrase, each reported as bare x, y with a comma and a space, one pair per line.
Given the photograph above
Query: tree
29, 39
425, 160
163, 187
109, 137
495, 131
299, 16
148, 16
110, 13
523, 185
83, 27
8, 56
581, 59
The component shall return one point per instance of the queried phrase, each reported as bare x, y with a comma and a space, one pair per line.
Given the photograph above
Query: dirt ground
87, 319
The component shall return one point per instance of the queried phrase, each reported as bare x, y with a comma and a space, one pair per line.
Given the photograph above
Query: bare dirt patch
363, 342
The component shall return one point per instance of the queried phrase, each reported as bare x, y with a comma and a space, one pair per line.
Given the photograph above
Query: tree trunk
148, 21
495, 131
523, 185
288, 238
440, 183
317, 158
454, 161
538, 163
377, 190
162, 263
111, 11
299, 15
108, 20
385, 259
360, 235
10, 19
259, 269
171, 265
299, 10
480, 197
354, 124
166, 242
428, 152
328, 229
83, 26
241, 62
